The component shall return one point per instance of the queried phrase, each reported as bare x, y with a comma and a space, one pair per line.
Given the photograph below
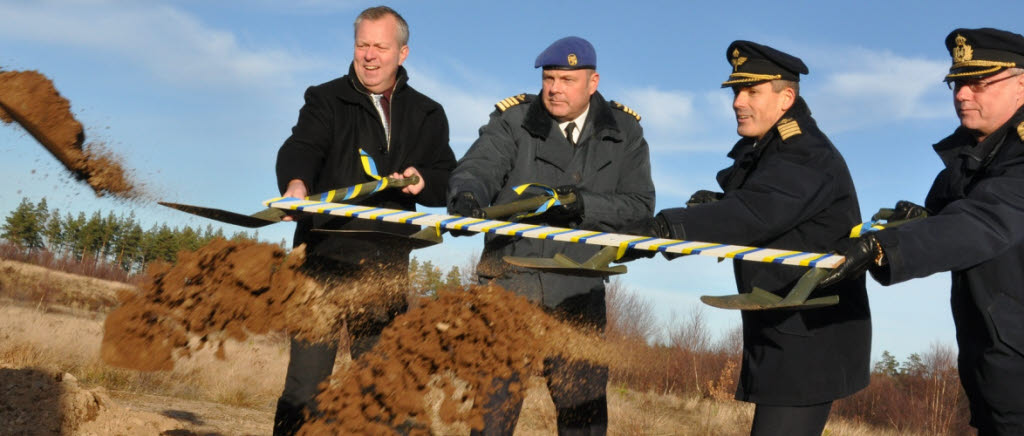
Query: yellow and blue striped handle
505, 228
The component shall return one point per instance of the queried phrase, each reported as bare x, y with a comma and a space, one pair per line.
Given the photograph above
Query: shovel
271, 215
797, 298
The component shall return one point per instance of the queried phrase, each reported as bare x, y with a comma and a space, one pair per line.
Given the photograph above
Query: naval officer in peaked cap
973, 226
788, 188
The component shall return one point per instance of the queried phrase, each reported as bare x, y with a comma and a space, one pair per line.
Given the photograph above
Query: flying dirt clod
30, 99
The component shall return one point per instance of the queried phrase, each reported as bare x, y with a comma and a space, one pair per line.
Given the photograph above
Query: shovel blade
760, 299
564, 265
258, 219
384, 238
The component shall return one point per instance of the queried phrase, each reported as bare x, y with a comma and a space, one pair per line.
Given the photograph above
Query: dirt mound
228, 290
43, 402
458, 344
30, 99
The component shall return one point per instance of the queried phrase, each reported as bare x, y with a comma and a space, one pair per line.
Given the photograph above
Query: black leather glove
704, 196
464, 204
655, 227
904, 210
565, 213
861, 255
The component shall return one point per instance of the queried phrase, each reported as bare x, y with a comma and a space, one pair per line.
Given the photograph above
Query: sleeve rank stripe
505, 228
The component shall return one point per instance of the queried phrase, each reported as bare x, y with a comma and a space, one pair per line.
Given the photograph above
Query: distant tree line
115, 239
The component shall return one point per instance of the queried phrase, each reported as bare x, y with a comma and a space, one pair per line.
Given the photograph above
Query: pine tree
23, 228
54, 233
888, 365
454, 278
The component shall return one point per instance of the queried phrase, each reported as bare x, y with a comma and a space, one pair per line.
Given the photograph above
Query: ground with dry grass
52, 380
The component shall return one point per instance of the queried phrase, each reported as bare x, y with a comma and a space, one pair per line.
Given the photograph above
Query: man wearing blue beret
973, 226
573, 141
788, 188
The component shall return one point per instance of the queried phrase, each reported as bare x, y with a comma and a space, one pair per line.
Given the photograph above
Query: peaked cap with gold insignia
753, 63
569, 53
979, 53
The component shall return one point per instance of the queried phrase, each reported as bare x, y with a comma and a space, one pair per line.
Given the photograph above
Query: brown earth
30, 99
43, 402
230, 290
457, 342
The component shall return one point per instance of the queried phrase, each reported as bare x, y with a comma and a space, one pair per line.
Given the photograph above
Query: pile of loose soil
46, 402
30, 99
457, 343
229, 290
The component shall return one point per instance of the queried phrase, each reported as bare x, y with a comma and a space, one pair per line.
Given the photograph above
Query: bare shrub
630, 316
87, 266
924, 395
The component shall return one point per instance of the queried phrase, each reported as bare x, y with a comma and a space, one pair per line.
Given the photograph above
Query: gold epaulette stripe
625, 109
1020, 130
788, 128
509, 102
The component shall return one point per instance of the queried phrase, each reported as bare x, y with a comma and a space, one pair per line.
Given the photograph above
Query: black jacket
792, 190
977, 232
610, 165
337, 120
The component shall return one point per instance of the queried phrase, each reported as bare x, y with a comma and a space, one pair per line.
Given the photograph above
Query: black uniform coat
791, 190
337, 120
977, 232
610, 165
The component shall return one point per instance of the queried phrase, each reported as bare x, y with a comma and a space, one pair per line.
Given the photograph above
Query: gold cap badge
963, 51
737, 60
572, 59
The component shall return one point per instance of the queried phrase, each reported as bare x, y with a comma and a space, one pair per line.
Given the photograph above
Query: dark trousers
310, 364
577, 389
790, 420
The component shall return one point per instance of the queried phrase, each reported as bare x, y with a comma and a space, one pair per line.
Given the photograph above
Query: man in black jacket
974, 226
788, 188
371, 110
572, 139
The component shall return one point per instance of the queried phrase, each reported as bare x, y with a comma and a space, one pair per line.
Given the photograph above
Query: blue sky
197, 97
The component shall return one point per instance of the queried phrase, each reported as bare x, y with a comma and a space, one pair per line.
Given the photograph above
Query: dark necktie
568, 133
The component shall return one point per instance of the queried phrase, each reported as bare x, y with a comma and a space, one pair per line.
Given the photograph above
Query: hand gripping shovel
797, 298
271, 215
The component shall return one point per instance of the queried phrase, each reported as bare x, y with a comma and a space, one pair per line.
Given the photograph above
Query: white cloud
174, 45
865, 87
467, 109
662, 110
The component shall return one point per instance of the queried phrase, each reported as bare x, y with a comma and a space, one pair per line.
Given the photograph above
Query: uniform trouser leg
578, 392
790, 420
501, 412
308, 365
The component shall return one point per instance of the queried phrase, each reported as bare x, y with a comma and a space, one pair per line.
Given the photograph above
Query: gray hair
378, 12
1015, 71
779, 85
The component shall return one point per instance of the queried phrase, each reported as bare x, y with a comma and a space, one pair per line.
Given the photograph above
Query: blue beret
753, 63
979, 53
569, 53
